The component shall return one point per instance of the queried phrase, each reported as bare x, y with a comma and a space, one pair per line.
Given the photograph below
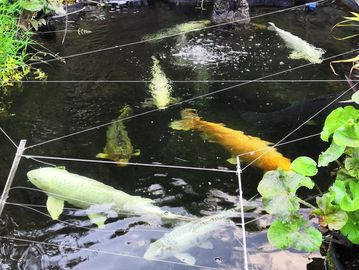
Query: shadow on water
268, 110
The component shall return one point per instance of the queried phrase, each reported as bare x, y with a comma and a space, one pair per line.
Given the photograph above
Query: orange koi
234, 141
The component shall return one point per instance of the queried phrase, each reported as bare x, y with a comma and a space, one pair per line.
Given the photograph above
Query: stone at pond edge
231, 10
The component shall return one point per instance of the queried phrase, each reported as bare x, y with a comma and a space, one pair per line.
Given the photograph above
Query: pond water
270, 110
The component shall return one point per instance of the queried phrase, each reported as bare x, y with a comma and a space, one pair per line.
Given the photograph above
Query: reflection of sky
110, 250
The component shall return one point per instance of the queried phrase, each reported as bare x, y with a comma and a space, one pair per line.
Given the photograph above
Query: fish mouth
123, 162
31, 175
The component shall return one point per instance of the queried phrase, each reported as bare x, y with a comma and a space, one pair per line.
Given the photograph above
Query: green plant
338, 208
16, 20
13, 45
348, 22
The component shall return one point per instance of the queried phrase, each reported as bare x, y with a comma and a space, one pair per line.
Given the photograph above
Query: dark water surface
44, 111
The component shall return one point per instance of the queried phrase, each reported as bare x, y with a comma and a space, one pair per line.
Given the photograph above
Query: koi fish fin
102, 209
147, 103
174, 100
187, 122
102, 155
181, 125
311, 123
256, 139
207, 137
136, 153
186, 258
55, 207
97, 219
271, 26
232, 160
61, 167
188, 114
206, 245
259, 26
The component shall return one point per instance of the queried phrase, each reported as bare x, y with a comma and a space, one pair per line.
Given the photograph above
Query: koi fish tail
188, 122
125, 112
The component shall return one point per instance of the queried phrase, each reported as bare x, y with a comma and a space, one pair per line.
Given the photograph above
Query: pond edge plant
337, 210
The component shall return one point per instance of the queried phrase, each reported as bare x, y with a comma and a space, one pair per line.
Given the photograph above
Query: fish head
271, 26
158, 250
42, 177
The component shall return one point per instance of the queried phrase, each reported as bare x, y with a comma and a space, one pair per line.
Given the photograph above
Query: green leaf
298, 234
33, 5
325, 203
350, 201
351, 228
343, 175
337, 118
353, 152
335, 220
352, 166
338, 190
330, 215
347, 135
332, 153
355, 97
304, 166
282, 206
278, 192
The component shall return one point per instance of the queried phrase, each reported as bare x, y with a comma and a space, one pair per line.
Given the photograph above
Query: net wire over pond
119, 254
186, 100
238, 170
29, 156
62, 58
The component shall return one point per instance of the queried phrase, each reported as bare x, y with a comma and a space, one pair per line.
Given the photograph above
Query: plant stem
306, 203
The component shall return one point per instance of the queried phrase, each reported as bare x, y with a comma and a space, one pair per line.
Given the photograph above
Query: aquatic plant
338, 208
349, 22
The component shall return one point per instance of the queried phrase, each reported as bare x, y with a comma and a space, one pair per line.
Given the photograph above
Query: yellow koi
234, 141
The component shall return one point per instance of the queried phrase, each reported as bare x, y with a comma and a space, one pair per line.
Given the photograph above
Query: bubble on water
218, 260
204, 51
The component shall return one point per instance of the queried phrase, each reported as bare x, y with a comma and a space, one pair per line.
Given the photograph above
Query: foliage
16, 20
351, 22
13, 45
337, 209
